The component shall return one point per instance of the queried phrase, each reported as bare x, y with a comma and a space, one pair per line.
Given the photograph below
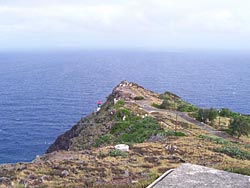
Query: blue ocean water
44, 94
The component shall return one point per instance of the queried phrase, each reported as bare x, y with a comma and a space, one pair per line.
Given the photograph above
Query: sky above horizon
129, 24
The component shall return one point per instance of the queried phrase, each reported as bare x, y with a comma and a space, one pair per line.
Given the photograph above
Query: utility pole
219, 119
175, 116
176, 122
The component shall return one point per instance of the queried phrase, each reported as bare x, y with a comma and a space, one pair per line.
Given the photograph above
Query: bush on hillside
119, 104
166, 104
139, 98
135, 131
239, 126
225, 112
185, 107
115, 153
205, 115
235, 152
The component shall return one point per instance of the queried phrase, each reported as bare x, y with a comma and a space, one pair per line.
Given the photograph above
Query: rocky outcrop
63, 142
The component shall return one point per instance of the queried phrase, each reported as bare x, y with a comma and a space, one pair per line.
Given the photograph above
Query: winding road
127, 89
145, 105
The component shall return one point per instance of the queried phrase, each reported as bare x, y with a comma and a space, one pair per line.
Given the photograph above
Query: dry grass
86, 168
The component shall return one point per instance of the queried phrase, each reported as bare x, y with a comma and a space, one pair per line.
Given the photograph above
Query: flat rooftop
195, 176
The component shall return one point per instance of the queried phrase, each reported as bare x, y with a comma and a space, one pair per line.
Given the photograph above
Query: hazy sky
150, 24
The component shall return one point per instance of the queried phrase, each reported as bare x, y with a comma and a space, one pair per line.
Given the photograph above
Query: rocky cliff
159, 139
88, 130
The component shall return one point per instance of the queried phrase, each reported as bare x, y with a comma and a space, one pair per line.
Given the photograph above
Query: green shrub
225, 112
105, 139
204, 115
179, 134
185, 107
240, 126
120, 126
116, 152
169, 96
174, 102
234, 152
119, 104
121, 113
155, 105
173, 133
139, 98
131, 129
135, 130
167, 104
164, 97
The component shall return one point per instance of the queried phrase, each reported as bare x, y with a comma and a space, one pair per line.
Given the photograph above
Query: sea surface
43, 94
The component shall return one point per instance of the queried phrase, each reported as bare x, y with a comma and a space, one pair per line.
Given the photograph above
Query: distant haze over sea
44, 94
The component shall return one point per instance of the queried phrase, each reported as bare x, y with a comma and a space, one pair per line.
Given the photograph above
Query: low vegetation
119, 104
238, 170
135, 130
239, 126
105, 139
174, 102
234, 151
215, 139
186, 107
230, 148
130, 128
205, 115
115, 153
225, 112
173, 133
155, 105
139, 98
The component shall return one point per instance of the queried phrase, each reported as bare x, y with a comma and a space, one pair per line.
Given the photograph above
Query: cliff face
88, 130
158, 139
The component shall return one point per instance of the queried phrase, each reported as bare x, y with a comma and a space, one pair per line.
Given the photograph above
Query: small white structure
99, 105
122, 147
115, 100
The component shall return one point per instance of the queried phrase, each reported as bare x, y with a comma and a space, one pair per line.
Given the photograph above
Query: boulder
65, 173
122, 147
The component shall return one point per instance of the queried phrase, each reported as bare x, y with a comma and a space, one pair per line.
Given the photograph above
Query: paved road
147, 107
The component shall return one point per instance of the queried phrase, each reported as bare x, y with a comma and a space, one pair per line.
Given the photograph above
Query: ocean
43, 94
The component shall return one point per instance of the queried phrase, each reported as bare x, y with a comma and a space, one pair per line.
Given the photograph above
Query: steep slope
88, 130
159, 139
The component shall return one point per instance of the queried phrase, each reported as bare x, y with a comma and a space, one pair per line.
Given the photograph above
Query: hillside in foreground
160, 130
